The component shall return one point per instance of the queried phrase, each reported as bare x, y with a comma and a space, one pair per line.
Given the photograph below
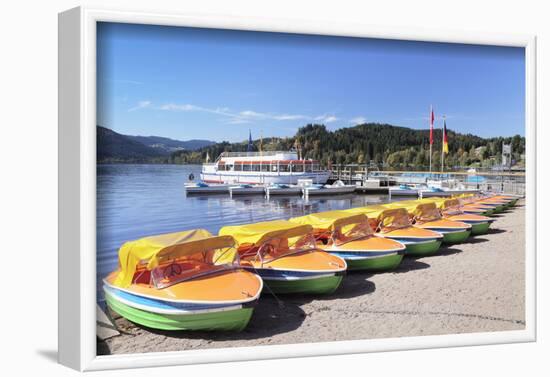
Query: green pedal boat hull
499, 208
317, 286
385, 263
423, 249
456, 237
480, 228
489, 212
229, 320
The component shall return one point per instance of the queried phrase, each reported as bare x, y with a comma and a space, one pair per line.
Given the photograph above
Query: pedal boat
511, 199
351, 238
497, 206
473, 209
425, 215
497, 203
395, 224
452, 210
284, 254
187, 280
502, 200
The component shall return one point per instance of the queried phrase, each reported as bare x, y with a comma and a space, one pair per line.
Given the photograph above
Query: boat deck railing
255, 154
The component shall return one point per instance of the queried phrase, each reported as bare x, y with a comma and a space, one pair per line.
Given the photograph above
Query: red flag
445, 141
432, 117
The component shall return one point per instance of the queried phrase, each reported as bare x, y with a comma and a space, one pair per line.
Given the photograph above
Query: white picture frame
77, 189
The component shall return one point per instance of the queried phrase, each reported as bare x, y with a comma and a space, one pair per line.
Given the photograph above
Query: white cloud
251, 114
183, 107
358, 120
326, 118
245, 116
330, 119
141, 105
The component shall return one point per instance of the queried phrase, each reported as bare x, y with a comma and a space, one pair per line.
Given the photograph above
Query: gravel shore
476, 286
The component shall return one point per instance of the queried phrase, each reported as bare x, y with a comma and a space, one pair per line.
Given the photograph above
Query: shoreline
477, 286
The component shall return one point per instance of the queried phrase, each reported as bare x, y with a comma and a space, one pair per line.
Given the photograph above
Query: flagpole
431, 126
443, 147
430, 160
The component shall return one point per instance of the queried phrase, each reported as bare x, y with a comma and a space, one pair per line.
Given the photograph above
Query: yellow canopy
466, 196
410, 205
153, 249
372, 212
422, 208
386, 217
258, 233
449, 203
330, 220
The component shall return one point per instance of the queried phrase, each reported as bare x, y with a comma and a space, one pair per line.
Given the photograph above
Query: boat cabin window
247, 167
315, 167
274, 168
265, 167
352, 232
278, 247
174, 270
308, 168
256, 167
238, 167
391, 221
426, 213
283, 168
299, 168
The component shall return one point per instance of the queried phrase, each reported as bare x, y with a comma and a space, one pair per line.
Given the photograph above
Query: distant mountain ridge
170, 145
115, 147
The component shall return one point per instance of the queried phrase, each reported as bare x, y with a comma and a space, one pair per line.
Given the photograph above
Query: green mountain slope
114, 147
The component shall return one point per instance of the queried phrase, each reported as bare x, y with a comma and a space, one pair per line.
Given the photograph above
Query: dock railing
510, 182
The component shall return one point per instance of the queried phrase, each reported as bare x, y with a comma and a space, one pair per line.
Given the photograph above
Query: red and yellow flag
445, 141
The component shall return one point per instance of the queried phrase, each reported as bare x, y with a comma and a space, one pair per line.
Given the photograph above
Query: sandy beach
476, 286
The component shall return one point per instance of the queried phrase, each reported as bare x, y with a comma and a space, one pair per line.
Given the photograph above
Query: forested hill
397, 147
113, 147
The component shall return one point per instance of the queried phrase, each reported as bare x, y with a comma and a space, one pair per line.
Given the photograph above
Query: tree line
382, 144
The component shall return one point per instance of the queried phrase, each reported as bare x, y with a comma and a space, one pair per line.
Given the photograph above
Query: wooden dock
372, 190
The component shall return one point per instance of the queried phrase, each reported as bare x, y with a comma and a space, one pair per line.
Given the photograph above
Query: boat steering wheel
171, 270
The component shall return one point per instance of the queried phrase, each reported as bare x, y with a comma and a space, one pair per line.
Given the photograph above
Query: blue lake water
135, 201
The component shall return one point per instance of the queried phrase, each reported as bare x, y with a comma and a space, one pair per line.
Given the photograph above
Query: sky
194, 83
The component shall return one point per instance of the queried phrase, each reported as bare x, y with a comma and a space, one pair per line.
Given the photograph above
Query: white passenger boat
263, 168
